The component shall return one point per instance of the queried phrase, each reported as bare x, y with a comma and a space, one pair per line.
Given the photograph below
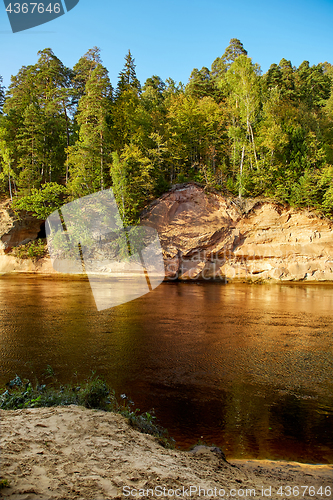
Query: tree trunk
10, 185
254, 147
241, 173
102, 179
67, 137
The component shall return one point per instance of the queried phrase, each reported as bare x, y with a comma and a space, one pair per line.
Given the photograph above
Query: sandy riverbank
74, 453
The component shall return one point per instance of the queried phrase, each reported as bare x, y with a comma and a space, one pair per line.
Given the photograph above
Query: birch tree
243, 101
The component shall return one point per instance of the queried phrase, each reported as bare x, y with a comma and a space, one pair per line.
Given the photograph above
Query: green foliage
231, 53
33, 250
96, 394
7, 173
196, 134
230, 128
201, 84
127, 77
243, 100
82, 71
37, 108
42, 202
304, 191
4, 483
87, 158
326, 183
132, 182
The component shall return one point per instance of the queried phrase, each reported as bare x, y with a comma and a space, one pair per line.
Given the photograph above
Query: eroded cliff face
16, 231
206, 235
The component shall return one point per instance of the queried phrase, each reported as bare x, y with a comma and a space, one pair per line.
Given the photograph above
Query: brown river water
248, 368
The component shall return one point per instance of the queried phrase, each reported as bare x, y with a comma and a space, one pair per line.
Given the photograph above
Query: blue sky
171, 38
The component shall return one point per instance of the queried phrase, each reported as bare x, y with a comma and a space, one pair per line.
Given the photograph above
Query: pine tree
273, 78
83, 69
312, 84
131, 182
89, 156
31, 149
127, 77
39, 102
125, 107
287, 79
222, 64
200, 83
54, 86
156, 83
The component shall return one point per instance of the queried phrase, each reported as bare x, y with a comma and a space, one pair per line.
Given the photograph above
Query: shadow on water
248, 368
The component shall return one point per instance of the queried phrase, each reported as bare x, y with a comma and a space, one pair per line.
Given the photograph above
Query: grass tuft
4, 483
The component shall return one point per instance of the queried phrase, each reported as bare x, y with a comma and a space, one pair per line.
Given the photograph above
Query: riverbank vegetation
94, 393
67, 132
33, 250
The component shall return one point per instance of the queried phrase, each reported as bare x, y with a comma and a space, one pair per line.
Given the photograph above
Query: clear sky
171, 38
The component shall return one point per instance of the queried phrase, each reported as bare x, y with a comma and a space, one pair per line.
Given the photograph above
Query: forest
67, 132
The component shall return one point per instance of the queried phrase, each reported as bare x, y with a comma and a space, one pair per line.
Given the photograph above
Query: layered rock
205, 235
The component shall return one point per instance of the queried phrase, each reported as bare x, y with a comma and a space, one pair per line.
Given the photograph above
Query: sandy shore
74, 453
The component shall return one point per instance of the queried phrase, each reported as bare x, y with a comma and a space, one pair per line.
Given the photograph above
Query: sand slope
74, 453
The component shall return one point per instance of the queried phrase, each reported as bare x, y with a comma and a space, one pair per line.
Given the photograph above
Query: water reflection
249, 368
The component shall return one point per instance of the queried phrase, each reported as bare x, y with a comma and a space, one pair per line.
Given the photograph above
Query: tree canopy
64, 132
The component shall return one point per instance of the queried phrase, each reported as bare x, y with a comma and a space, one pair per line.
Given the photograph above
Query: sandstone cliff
16, 231
206, 235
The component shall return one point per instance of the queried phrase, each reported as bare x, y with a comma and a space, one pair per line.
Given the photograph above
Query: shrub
95, 395
33, 250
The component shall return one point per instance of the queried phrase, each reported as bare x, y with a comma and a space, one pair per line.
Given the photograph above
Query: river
248, 368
